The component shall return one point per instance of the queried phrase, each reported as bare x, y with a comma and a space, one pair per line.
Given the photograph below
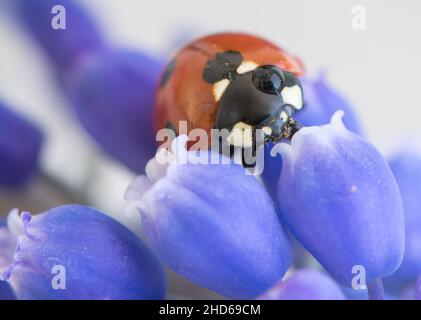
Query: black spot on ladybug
224, 66
167, 73
291, 80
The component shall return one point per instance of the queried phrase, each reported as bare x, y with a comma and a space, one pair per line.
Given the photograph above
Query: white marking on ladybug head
219, 88
284, 116
246, 66
293, 96
267, 130
241, 135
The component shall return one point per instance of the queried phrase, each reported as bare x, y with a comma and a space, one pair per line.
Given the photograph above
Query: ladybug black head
252, 96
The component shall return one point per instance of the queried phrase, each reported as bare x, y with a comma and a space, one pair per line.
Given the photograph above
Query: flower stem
375, 290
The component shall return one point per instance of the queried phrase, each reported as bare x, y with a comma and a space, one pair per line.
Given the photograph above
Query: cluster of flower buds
211, 223
110, 90
20, 145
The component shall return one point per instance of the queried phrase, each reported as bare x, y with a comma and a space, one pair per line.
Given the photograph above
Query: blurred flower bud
408, 293
113, 96
75, 252
20, 144
212, 223
112, 91
339, 198
355, 294
305, 284
64, 47
406, 167
6, 292
320, 102
418, 289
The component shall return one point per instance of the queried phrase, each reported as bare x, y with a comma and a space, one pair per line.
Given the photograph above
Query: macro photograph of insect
210, 156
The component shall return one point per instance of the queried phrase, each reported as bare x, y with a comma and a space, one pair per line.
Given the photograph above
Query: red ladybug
231, 81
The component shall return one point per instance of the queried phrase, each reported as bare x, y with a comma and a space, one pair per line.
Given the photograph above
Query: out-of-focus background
377, 68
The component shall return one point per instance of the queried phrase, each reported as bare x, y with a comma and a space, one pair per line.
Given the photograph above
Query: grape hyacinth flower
20, 145
305, 284
406, 167
76, 252
211, 223
111, 90
113, 95
355, 294
321, 101
6, 292
339, 198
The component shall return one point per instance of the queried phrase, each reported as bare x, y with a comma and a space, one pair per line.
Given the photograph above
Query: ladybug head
253, 97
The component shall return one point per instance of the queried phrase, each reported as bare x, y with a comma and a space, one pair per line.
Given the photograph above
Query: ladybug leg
280, 125
291, 128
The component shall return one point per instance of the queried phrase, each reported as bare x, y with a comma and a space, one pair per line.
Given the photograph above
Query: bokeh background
377, 69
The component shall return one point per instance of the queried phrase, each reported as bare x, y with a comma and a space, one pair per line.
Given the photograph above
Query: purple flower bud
64, 47
320, 102
406, 167
339, 198
418, 289
75, 252
305, 284
6, 292
408, 293
213, 224
20, 144
113, 91
355, 294
113, 97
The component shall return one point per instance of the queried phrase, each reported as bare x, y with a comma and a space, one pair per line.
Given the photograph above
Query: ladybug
231, 81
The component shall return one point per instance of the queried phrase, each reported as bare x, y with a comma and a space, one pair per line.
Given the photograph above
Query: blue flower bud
321, 101
112, 91
418, 289
113, 97
408, 293
213, 224
20, 144
6, 292
406, 167
75, 252
64, 47
305, 284
355, 294
339, 198
272, 169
